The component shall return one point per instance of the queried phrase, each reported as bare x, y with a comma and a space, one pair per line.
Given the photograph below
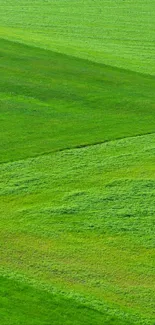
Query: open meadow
77, 162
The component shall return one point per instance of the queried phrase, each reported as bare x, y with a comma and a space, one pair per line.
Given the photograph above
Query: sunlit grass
119, 33
77, 171
82, 220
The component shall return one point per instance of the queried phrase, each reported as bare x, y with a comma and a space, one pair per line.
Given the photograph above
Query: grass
82, 221
77, 172
25, 304
50, 101
119, 33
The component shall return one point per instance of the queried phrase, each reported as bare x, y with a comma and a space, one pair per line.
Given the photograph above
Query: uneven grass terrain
77, 162
25, 304
81, 221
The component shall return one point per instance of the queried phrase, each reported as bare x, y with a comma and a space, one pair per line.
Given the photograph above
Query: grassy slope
119, 33
82, 221
27, 305
79, 222
50, 102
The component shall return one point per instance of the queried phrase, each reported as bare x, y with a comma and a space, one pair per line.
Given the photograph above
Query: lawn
77, 163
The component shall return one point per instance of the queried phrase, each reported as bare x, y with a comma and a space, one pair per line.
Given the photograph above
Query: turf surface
119, 33
50, 101
82, 221
77, 172
27, 305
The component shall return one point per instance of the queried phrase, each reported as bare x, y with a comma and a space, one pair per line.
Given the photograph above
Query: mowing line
80, 146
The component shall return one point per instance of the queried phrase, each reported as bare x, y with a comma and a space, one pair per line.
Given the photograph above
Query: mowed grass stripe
119, 33
51, 101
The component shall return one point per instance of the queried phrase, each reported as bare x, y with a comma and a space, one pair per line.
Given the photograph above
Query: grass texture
50, 101
82, 221
77, 171
31, 306
118, 33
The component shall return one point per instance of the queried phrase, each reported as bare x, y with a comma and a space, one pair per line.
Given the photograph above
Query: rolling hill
77, 171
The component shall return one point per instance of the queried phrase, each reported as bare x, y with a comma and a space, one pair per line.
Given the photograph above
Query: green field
119, 33
77, 162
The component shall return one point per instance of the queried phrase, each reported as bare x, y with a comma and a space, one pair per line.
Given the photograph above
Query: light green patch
119, 33
82, 220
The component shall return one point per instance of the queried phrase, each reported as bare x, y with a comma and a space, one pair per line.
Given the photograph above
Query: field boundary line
76, 147
33, 46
